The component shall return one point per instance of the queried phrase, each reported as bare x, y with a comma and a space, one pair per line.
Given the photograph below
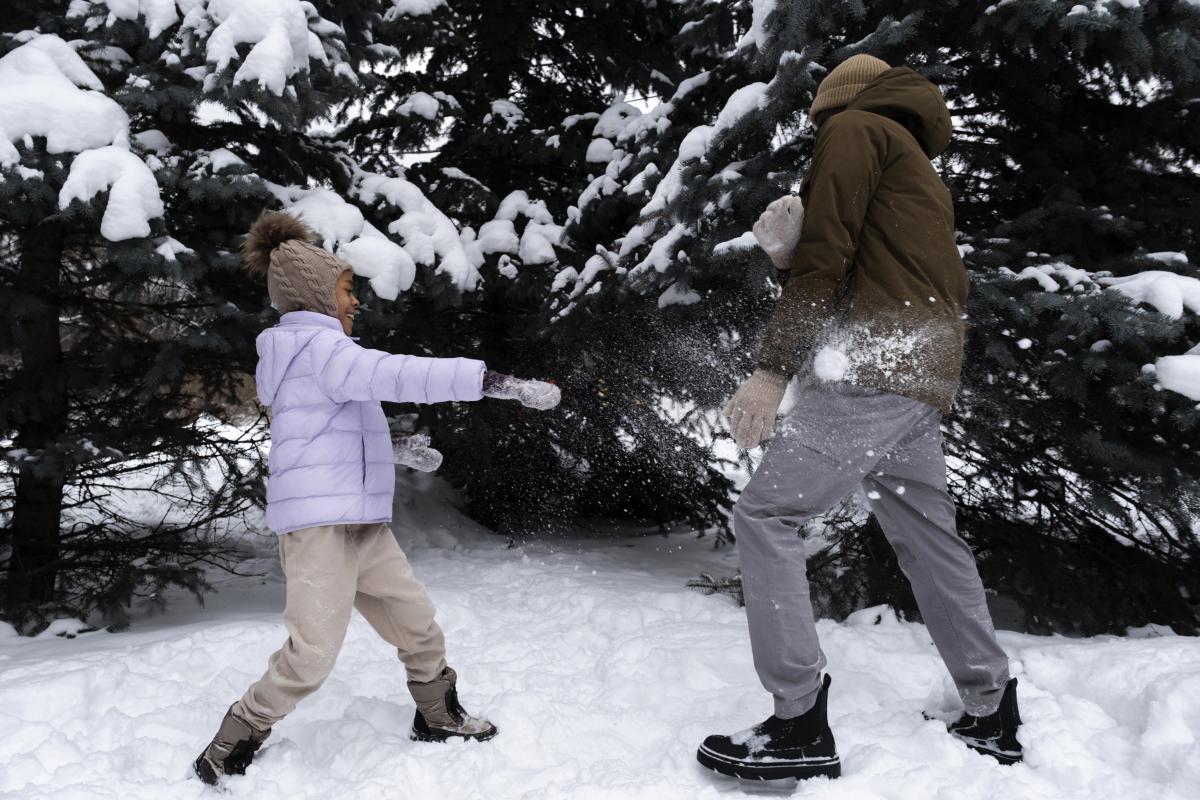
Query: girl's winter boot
440, 716
230, 751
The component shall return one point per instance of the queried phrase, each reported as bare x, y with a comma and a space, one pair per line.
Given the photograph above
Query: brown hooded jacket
876, 289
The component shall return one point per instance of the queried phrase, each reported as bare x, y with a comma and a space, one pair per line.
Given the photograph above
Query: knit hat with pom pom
300, 275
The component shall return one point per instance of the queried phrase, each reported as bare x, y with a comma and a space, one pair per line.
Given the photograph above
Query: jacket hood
278, 347
910, 99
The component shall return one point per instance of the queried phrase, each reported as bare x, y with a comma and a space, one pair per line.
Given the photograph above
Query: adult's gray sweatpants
837, 437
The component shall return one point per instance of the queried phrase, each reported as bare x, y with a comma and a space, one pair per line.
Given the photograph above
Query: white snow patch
678, 294
756, 34
1169, 293
40, 96
586, 654
831, 364
133, 195
744, 242
1180, 373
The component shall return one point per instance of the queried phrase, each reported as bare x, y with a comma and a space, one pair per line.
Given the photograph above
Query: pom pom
271, 229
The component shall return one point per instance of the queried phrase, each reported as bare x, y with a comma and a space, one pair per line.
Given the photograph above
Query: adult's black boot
801, 747
230, 751
994, 735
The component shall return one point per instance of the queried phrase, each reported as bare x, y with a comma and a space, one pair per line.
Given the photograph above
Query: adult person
873, 301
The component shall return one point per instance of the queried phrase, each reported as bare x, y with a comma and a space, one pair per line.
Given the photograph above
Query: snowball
133, 198
1166, 291
1024, 344
831, 364
40, 96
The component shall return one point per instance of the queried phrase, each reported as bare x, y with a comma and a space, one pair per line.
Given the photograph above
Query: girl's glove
753, 407
539, 395
414, 451
778, 229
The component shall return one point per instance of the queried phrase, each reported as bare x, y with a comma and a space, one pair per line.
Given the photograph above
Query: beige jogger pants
331, 569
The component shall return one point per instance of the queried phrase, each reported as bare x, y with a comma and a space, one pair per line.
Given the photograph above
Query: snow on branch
341, 226
41, 95
133, 198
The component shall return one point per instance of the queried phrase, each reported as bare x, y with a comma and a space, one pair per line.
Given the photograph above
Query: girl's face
347, 303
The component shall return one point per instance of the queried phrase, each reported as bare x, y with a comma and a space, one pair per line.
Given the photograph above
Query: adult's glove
778, 229
538, 395
414, 451
753, 407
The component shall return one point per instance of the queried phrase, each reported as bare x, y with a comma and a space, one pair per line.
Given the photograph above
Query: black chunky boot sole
1005, 757
773, 770
418, 736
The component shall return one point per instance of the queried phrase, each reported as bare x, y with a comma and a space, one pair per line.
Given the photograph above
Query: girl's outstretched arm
346, 371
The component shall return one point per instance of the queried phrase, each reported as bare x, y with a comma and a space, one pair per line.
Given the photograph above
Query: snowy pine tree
1072, 152
502, 102
145, 144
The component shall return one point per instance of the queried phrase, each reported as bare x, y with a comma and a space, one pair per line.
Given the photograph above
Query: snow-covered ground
602, 672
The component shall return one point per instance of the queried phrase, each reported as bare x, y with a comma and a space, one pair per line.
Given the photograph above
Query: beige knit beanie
845, 81
300, 275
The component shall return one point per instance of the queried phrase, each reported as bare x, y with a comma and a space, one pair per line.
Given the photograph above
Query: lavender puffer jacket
331, 456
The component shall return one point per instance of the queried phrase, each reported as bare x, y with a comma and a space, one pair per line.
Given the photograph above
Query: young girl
329, 496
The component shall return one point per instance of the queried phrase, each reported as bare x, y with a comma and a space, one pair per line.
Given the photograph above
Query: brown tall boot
230, 751
440, 716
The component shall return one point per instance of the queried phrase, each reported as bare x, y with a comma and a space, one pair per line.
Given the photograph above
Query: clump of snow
133, 198
277, 30
663, 252
1180, 373
756, 34
498, 236
412, 8
539, 238
222, 157
420, 104
678, 294
429, 235
599, 151
1046, 275
1169, 257
831, 364
508, 111
160, 14
742, 103
1166, 291
341, 226
47, 91
744, 242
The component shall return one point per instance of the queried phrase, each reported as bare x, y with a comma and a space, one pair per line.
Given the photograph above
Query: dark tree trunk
39, 424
